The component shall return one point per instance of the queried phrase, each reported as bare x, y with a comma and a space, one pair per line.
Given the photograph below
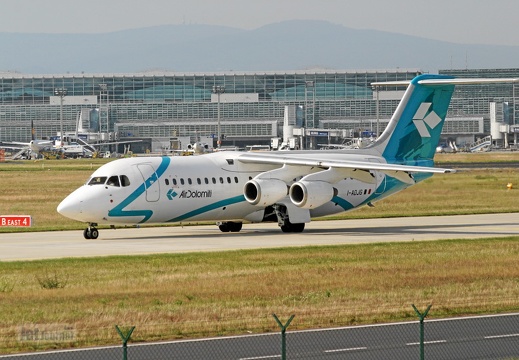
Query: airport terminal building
249, 107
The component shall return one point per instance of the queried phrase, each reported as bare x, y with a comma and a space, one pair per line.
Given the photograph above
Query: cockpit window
125, 181
113, 181
97, 180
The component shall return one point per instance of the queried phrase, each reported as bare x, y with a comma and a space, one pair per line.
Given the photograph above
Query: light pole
219, 89
61, 92
309, 84
104, 91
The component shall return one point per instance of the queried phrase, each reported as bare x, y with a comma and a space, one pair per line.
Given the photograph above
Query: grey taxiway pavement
134, 241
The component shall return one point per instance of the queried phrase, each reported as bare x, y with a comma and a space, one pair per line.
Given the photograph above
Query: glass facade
252, 106
170, 104
474, 100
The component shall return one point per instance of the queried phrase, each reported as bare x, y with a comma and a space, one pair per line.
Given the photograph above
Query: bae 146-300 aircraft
289, 188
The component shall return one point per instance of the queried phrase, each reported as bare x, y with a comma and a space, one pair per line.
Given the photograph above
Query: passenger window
125, 181
206, 180
166, 181
198, 181
113, 181
221, 180
236, 179
228, 180
214, 181
174, 181
98, 180
182, 181
189, 181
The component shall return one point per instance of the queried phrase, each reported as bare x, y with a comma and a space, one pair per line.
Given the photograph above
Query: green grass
36, 189
483, 157
175, 296
210, 294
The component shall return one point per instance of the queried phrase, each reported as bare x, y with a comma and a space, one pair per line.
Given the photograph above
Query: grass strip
174, 296
37, 188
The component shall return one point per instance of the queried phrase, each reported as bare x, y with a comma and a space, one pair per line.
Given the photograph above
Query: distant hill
288, 45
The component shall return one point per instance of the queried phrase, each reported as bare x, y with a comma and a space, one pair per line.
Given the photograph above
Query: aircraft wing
18, 143
346, 164
25, 144
13, 146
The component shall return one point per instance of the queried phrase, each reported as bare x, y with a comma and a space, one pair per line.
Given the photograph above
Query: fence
479, 337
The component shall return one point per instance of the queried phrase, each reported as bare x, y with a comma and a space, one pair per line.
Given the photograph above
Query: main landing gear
229, 226
91, 232
289, 227
283, 219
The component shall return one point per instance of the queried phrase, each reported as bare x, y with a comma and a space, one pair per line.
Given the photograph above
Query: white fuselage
199, 188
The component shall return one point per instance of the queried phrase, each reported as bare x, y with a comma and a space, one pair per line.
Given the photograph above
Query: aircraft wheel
234, 226
91, 233
94, 233
298, 227
289, 227
224, 227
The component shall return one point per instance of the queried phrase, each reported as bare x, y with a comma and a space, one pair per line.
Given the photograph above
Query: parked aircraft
80, 148
35, 146
289, 188
197, 148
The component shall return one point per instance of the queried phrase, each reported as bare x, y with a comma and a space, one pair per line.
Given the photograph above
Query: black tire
94, 233
299, 227
86, 234
224, 227
295, 228
285, 228
234, 226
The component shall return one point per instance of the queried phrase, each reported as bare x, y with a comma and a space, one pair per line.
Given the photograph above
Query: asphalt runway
134, 241
475, 337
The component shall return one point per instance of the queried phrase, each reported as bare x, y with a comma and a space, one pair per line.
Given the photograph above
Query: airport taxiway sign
15, 220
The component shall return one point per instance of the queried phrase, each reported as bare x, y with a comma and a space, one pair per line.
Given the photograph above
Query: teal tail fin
413, 132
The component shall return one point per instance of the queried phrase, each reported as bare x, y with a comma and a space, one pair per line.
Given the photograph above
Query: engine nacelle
264, 192
311, 194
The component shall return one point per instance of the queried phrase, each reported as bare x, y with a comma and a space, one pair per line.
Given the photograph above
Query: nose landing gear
91, 232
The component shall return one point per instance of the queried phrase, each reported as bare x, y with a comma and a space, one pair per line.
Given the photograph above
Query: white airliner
83, 148
289, 188
36, 146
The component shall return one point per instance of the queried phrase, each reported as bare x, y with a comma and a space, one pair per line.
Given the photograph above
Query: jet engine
264, 192
311, 194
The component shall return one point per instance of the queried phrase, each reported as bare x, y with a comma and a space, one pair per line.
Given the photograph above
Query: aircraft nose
70, 207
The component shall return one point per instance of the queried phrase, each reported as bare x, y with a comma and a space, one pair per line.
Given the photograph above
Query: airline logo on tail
423, 120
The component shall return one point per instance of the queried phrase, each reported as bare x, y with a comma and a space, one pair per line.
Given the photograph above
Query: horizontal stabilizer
473, 81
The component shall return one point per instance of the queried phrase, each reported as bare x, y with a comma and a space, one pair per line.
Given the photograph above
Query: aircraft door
151, 182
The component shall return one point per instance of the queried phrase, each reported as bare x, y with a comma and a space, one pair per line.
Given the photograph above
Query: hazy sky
461, 21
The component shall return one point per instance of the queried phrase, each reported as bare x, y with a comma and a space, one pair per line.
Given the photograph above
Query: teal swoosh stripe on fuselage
390, 185
118, 210
393, 186
210, 207
346, 205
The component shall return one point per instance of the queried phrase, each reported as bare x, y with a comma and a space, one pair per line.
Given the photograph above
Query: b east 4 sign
15, 220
